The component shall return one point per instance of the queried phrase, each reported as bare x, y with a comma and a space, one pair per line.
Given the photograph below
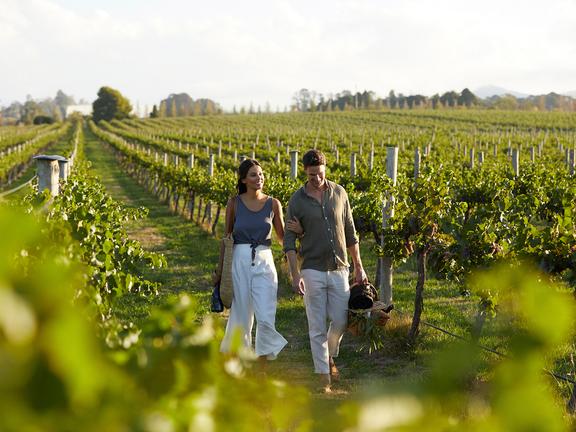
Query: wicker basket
226, 286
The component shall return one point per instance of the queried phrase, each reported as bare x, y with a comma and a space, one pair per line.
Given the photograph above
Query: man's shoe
334, 373
325, 383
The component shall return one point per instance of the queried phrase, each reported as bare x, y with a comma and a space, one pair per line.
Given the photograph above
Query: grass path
189, 250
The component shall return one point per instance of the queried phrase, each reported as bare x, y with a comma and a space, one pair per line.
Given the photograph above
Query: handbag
216, 304
226, 286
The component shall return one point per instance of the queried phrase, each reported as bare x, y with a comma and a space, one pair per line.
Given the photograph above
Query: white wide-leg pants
255, 293
326, 298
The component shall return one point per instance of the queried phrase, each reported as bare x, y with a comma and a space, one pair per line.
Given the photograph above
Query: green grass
190, 251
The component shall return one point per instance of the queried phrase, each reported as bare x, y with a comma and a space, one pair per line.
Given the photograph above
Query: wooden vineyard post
385, 265
571, 162
532, 154
352, 164
63, 167
208, 211
417, 160
278, 157
371, 159
516, 161
294, 164
472, 158
192, 195
48, 172
481, 158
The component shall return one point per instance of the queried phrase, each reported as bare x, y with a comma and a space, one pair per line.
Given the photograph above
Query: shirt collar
329, 184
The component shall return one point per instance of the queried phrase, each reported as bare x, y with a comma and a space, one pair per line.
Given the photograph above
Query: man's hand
360, 275
298, 284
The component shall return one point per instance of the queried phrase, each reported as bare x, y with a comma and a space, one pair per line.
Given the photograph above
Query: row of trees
48, 110
110, 104
308, 100
181, 104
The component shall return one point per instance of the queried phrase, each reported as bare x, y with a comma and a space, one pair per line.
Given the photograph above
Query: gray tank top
253, 228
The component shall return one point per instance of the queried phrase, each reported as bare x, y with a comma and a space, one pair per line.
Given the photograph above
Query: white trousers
255, 293
326, 299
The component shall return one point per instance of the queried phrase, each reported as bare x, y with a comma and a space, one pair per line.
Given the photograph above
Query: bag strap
229, 233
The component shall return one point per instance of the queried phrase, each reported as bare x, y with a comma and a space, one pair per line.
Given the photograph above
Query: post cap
51, 158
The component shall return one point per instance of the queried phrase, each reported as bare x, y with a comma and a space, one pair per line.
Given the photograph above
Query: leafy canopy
110, 105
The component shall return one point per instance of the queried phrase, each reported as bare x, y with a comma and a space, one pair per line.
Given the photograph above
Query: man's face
316, 175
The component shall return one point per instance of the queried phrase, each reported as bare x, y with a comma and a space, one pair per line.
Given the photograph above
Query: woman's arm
278, 221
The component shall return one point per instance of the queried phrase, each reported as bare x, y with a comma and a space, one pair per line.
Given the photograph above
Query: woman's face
255, 178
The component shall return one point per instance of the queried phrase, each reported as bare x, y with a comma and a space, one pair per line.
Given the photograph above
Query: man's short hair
313, 158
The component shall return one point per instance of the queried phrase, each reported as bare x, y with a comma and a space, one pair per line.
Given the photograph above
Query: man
322, 209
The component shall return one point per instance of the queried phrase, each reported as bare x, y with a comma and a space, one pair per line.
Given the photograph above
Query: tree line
306, 100
110, 104
47, 110
181, 104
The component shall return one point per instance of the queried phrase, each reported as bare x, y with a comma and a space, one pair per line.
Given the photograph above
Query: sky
242, 52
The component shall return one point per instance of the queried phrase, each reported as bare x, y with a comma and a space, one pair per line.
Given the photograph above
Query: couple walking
319, 216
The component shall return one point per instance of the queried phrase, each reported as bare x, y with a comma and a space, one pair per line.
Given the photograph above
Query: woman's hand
216, 277
294, 226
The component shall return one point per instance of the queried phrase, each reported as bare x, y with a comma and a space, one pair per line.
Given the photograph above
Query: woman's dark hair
243, 172
313, 158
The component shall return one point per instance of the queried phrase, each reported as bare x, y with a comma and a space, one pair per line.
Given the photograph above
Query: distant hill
491, 90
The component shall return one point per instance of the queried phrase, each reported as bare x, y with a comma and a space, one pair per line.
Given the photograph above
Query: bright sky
238, 52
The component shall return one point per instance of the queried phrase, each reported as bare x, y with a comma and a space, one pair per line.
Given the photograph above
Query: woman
250, 217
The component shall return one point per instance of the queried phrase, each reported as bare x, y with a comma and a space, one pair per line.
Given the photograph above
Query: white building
82, 109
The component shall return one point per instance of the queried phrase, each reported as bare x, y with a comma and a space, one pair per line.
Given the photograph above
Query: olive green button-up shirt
328, 228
